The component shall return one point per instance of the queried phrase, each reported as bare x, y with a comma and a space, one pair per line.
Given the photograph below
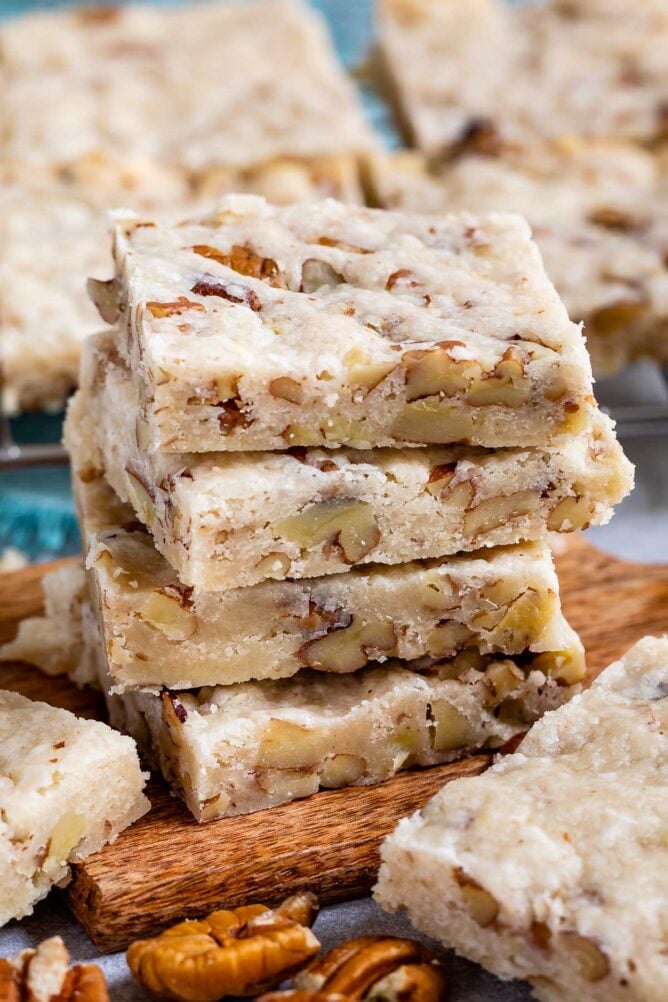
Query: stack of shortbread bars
317, 456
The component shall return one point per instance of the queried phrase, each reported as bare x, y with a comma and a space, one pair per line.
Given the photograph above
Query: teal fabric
36, 509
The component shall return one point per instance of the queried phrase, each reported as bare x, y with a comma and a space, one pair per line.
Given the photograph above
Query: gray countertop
639, 531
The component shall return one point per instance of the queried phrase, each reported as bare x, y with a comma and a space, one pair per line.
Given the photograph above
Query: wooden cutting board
166, 866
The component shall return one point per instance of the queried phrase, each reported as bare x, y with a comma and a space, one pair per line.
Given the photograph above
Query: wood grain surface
166, 866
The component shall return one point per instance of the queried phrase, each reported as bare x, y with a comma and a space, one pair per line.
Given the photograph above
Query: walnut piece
238, 952
371, 967
44, 975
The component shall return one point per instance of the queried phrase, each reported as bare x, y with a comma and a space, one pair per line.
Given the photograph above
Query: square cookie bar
53, 641
598, 211
230, 521
54, 226
157, 632
239, 748
553, 866
51, 814
592, 68
194, 86
260, 327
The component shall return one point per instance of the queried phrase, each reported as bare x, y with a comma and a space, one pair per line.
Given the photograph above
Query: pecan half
239, 952
372, 967
44, 974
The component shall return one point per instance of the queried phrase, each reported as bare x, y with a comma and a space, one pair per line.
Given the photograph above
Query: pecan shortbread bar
239, 748
195, 86
564, 67
51, 814
157, 632
553, 866
598, 211
53, 223
228, 521
260, 328
229, 749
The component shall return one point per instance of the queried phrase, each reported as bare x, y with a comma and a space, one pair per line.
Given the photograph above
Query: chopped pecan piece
233, 292
232, 416
372, 967
612, 218
317, 273
593, 963
174, 309
105, 296
333, 242
403, 277
245, 261
479, 903
238, 952
347, 523
347, 648
44, 975
480, 136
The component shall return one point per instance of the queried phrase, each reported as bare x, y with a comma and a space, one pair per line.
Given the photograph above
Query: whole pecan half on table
372, 967
44, 974
240, 952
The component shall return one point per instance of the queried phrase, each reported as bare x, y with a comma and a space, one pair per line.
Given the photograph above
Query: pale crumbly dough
53, 641
50, 813
230, 520
157, 632
54, 227
553, 866
263, 327
196, 86
598, 211
592, 68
